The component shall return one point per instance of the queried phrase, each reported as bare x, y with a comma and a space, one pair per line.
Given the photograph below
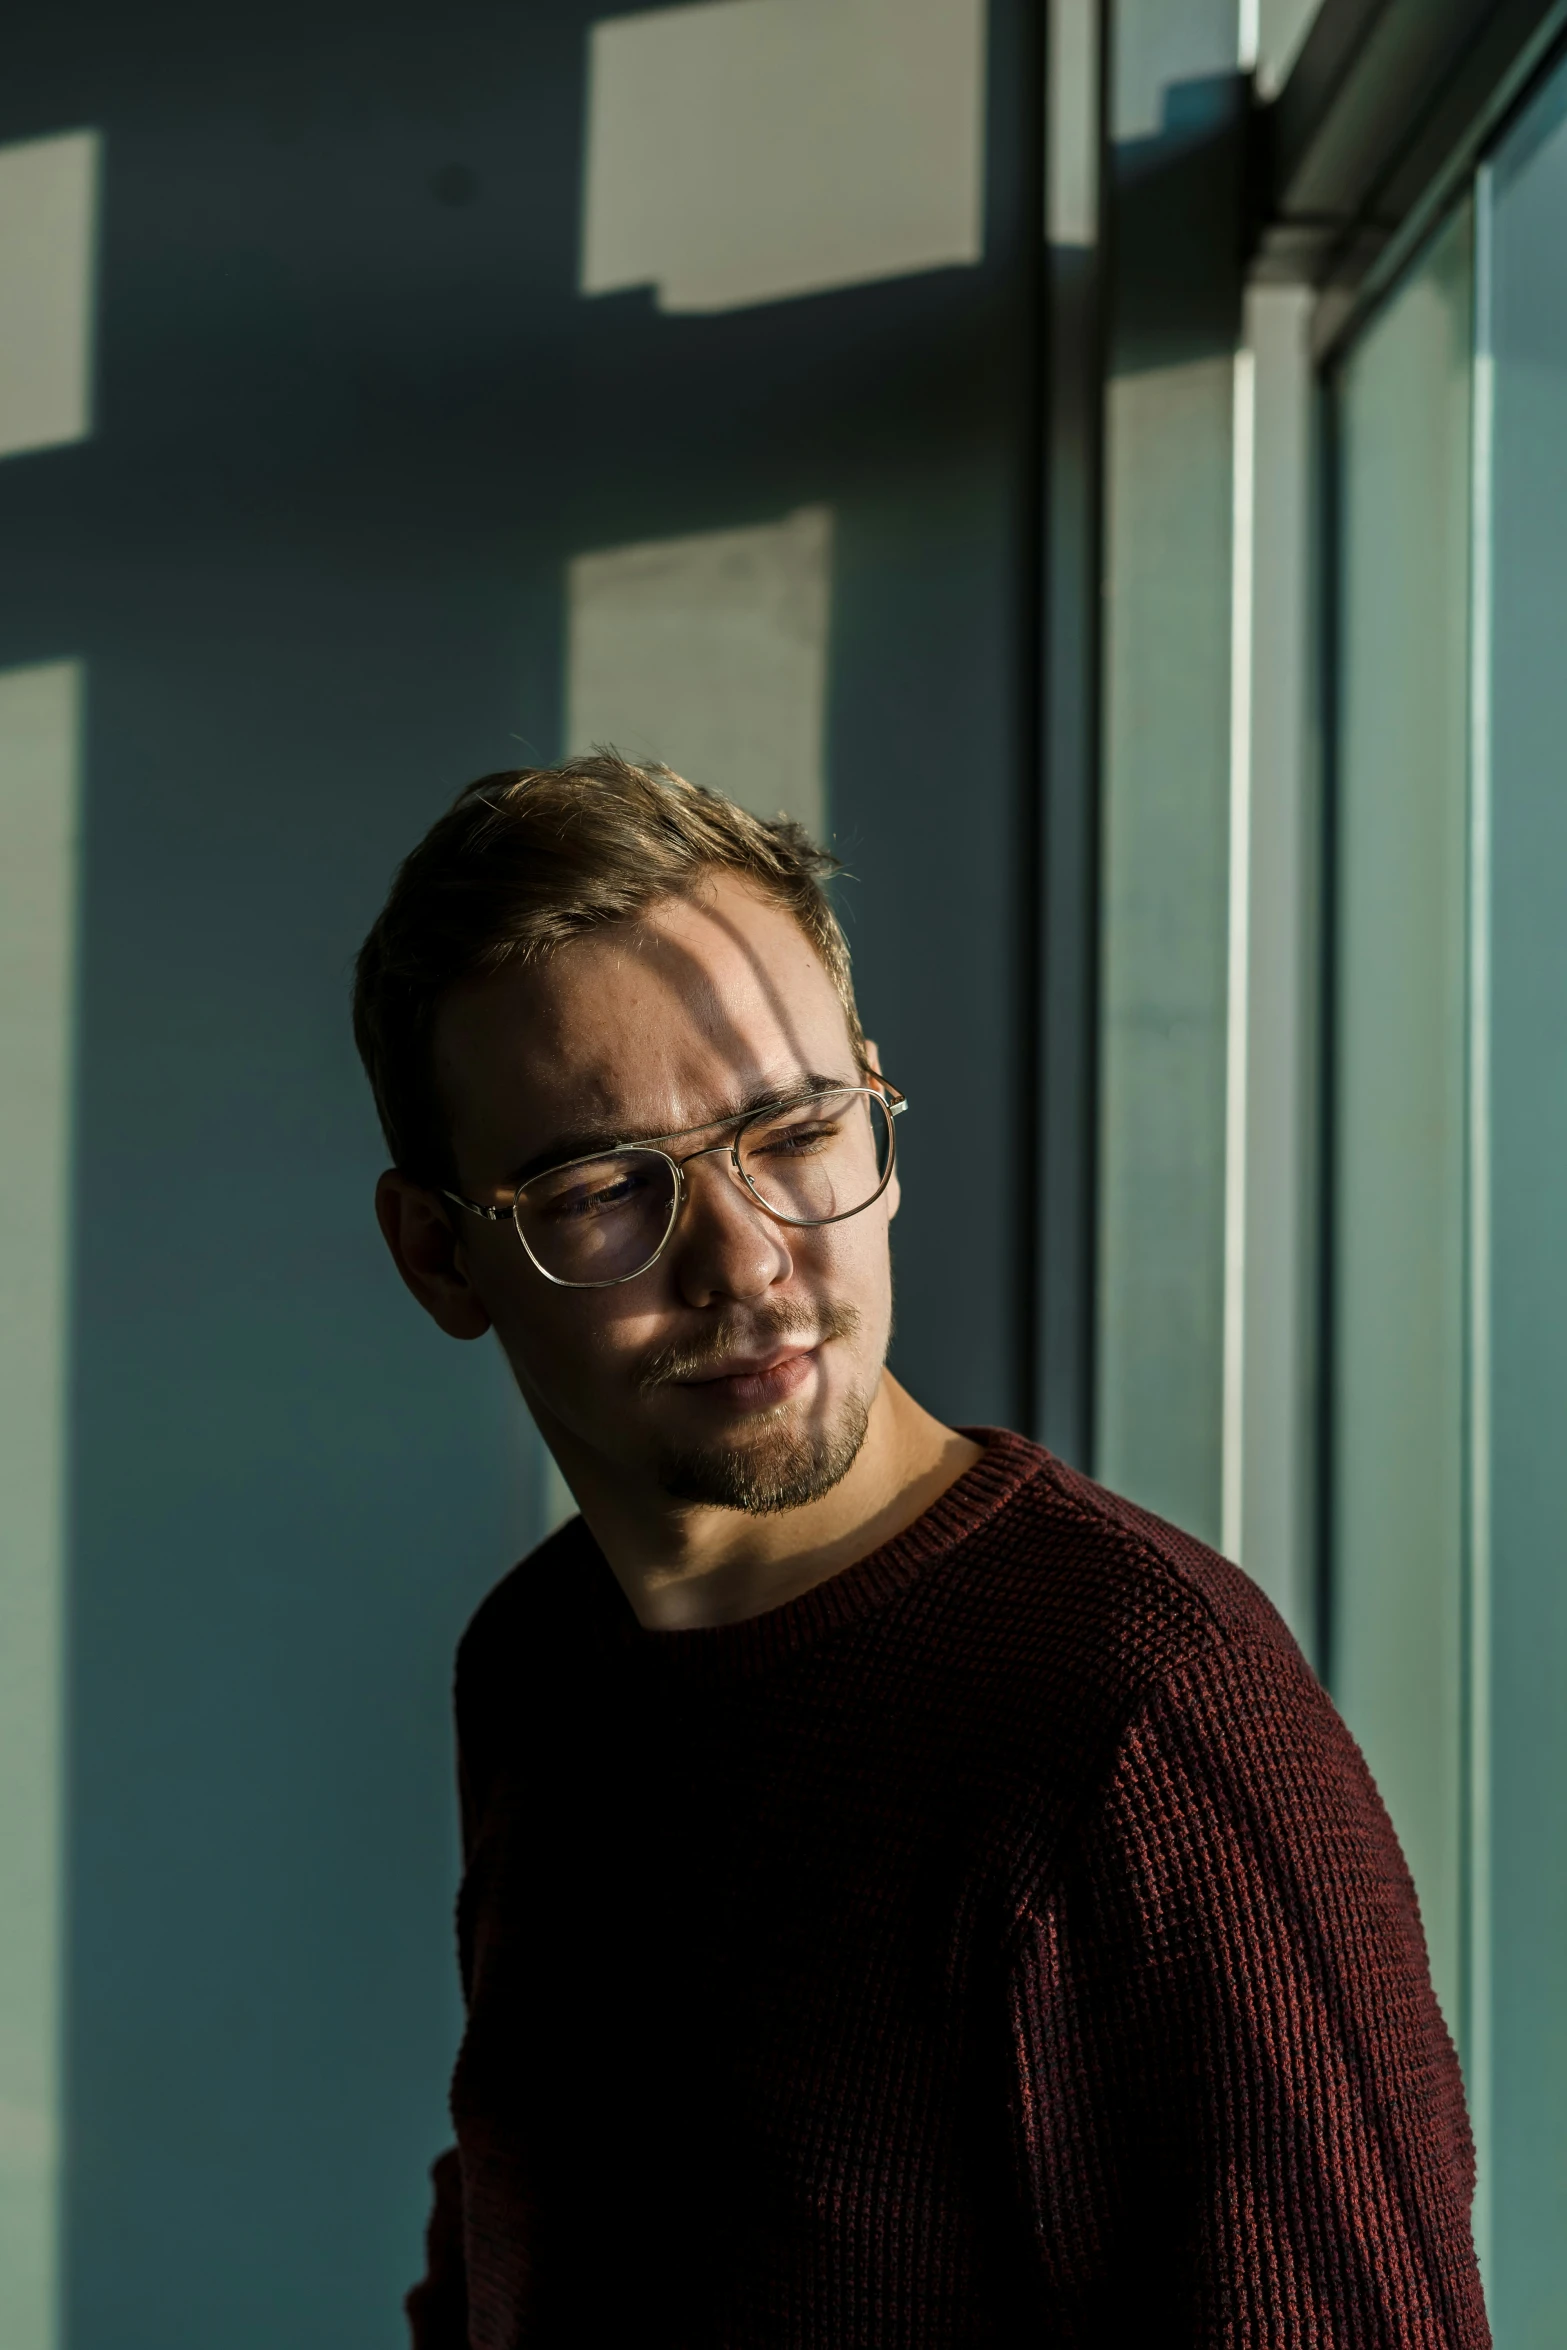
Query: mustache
706, 1357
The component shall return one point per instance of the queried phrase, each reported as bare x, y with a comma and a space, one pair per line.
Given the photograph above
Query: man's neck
683, 1566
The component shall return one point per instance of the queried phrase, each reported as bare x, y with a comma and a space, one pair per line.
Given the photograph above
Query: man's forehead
727, 938
688, 1012
705, 961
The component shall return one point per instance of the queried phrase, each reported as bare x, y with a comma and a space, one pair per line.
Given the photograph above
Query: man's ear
417, 1229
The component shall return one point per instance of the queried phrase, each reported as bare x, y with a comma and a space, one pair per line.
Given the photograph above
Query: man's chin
781, 1467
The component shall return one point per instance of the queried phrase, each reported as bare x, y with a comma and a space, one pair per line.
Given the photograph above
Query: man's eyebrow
585, 1140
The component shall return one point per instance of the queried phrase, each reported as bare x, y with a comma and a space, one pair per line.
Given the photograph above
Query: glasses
601, 1220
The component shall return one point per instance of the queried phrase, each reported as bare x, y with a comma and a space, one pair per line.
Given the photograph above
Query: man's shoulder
557, 1601
1077, 1604
1168, 1588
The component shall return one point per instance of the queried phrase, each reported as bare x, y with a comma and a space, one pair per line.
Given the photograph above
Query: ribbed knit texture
1003, 1943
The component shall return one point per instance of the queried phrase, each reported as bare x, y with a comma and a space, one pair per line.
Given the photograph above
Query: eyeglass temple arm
490, 1215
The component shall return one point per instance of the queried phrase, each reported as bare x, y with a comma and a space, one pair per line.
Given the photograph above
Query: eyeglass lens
603, 1220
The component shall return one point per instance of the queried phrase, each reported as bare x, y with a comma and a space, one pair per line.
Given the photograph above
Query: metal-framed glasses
594, 1222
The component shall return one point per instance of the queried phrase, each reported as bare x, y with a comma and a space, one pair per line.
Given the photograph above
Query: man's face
739, 1369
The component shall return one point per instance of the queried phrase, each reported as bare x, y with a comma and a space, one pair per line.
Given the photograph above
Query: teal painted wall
352, 420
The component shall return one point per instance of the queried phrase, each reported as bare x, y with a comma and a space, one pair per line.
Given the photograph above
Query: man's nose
725, 1244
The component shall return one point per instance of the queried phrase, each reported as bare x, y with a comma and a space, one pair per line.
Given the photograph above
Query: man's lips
757, 1379
751, 1366
775, 1341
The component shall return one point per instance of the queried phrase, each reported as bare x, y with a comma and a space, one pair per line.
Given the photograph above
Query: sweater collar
724, 1652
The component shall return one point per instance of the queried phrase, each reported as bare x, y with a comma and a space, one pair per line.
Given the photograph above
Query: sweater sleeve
1239, 2114
438, 2306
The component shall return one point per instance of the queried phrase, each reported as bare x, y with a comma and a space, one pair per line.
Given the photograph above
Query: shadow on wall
366, 485
1178, 228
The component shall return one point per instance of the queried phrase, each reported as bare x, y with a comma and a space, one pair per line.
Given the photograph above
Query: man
910, 1896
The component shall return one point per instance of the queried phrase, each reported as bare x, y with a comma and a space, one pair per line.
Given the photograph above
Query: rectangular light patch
48, 251
746, 150
710, 654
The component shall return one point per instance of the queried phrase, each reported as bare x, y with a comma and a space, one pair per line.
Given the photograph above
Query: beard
778, 1465
781, 1468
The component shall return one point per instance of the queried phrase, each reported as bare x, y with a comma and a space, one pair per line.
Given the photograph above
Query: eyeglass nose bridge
709, 1150
677, 1168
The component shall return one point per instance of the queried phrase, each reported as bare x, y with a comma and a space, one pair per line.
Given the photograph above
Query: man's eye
596, 1199
789, 1142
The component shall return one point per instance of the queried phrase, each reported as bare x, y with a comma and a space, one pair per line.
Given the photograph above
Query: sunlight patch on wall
1282, 27
40, 725
742, 151
710, 653
48, 235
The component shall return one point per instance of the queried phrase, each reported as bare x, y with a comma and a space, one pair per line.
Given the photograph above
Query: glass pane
1525, 1379
1397, 1304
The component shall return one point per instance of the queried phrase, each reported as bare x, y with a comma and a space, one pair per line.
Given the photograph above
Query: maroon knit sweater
1003, 1943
